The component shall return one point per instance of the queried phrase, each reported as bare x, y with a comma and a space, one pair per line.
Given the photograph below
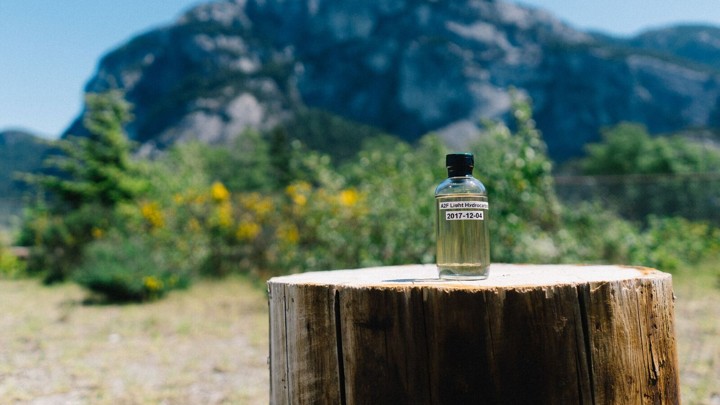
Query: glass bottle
461, 207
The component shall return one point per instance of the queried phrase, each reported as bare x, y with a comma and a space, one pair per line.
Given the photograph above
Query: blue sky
50, 48
628, 17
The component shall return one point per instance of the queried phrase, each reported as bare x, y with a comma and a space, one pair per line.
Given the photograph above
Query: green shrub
516, 170
10, 266
592, 234
396, 208
122, 269
93, 175
58, 241
673, 242
267, 205
672, 170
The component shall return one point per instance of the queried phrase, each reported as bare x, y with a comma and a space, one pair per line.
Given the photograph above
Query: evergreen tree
94, 174
97, 169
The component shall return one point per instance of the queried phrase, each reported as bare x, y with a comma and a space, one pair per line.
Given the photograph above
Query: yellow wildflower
288, 234
264, 207
218, 192
199, 199
298, 192
194, 225
260, 205
247, 231
224, 215
152, 213
299, 199
97, 233
152, 283
349, 197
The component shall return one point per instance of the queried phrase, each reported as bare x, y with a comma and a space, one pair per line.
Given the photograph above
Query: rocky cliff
406, 66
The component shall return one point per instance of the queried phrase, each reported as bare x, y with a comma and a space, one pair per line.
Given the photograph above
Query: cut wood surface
540, 334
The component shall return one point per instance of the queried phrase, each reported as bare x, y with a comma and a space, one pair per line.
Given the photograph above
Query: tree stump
529, 334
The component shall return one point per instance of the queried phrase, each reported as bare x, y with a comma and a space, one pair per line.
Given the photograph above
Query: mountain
697, 43
19, 152
407, 67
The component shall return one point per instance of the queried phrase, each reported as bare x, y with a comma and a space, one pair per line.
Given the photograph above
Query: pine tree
94, 174
98, 168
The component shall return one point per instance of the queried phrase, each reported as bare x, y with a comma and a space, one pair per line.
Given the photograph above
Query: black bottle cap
459, 164
459, 159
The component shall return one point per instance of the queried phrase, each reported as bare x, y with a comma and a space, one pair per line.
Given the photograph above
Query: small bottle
463, 246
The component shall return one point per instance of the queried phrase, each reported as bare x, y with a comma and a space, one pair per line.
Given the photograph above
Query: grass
697, 328
208, 345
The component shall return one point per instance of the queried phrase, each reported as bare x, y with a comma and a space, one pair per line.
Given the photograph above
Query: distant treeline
133, 229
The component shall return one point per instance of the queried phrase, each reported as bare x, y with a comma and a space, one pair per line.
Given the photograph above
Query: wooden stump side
528, 334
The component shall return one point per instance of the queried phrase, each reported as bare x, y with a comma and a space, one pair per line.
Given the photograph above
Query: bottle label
464, 215
454, 205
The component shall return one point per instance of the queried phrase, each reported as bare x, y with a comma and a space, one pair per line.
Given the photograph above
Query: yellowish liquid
463, 249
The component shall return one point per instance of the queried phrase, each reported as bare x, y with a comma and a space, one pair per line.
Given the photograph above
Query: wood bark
529, 334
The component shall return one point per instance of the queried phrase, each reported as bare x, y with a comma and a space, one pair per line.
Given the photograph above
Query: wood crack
287, 347
558, 334
586, 341
338, 341
426, 335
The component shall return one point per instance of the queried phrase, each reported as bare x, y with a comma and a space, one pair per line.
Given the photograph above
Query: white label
454, 205
464, 215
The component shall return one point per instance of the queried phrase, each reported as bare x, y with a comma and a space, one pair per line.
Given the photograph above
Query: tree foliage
516, 170
94, 175
674, 170
97, 169
268, 204
627, 148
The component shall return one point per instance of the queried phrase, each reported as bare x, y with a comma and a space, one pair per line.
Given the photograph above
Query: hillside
402, 67
696, 43
407, 67
19, 152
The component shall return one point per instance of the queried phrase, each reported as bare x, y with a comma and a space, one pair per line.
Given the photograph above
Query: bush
58, 241
524, 211
10, 266
93, 176
123, 269
673, 242
592, 234
396, 182
377, 209
267, 205
671, 169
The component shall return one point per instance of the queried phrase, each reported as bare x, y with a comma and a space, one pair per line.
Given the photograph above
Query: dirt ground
697, 328
209, 345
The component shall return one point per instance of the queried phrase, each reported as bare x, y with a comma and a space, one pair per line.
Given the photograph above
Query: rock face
697, 43
406, 66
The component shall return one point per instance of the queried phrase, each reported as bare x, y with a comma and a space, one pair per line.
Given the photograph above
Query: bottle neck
459, 171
